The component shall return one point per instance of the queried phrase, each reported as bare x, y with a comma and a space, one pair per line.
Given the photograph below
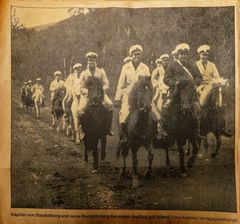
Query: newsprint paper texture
159, 74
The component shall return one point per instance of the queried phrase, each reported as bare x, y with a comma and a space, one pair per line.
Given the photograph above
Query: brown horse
212, 119
93, 121
139, 127
180, 122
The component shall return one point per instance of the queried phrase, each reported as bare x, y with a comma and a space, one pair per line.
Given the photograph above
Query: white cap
57, 73
203, 48
174, 52
158, 60
91, 54
164, 56
29, 81
135, 48
38, 79
25, 83
77, 65
182, 47
127, 59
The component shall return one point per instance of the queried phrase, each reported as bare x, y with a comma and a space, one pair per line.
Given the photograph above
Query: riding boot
109, 123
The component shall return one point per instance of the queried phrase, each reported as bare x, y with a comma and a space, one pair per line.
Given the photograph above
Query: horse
68, 119
212, 119
57, 110
140, 127
93, 122
28, 102
38, 100
180, 123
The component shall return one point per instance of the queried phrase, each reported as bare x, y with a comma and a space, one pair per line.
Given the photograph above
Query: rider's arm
52, 88
105, 80
215, 72
121, 84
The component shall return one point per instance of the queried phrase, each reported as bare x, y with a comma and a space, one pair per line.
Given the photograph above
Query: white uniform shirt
77, 85
128, 77
99, 73
56, 85
37, 87
69, 83
210, 72
157, 78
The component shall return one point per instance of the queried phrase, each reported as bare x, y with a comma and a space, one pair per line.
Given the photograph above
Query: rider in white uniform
56, 84
161, 89
70, 83
209, 72
38, 89
93, 70
129, 75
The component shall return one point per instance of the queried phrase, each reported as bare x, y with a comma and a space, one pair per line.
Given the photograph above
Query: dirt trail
48, 171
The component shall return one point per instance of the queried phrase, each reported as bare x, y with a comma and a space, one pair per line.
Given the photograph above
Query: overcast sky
31, 17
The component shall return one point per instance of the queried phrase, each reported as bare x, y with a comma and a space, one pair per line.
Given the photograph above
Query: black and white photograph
116, 108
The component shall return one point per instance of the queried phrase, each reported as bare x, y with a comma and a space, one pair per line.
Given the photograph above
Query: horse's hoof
183, 175
148, 174
214, 155
94, 171
135, 182
200, 156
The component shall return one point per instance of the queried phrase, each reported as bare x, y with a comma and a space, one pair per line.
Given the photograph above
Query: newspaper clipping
119, 112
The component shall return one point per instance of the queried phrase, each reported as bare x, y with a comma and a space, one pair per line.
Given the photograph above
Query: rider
182, 72
23, 91
70, 84
130, 73
209, 72
56, 84
161, 88
93, 70
210, 77
38, 88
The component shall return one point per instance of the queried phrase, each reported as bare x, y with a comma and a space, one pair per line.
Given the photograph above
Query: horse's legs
150, 160
167, 158
192, 159
103, 147
188, 148
37, 109
135, 181
219, 142
95, 156
181, 160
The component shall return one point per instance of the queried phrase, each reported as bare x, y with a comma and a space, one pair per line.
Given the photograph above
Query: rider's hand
117, 103
84, 91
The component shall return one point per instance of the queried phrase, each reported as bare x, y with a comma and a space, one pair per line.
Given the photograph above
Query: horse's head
215, 100
140, 97
187, 96
94, 86
59, 94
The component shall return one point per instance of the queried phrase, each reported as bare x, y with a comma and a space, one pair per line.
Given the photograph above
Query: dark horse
180, 122
212, 119
139, 127
28, 102
94, 120
57, 109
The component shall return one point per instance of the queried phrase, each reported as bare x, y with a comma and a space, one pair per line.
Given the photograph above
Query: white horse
38, 100
75, 109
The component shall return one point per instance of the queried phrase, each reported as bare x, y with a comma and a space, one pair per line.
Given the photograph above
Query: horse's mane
93, 81
142, 82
